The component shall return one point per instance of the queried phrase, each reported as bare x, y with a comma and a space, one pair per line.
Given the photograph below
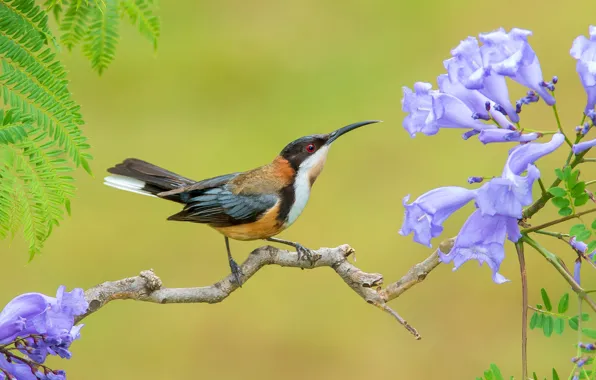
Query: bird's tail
141, 177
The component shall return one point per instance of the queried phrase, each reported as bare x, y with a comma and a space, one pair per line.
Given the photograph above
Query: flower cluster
473, 95
37, 326
474, 90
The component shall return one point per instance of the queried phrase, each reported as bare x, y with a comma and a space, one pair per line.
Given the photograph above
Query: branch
148, 287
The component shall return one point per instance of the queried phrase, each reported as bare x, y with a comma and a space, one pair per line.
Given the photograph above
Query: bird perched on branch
251, 205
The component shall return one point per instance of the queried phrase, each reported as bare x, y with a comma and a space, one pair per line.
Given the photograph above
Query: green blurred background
231, 84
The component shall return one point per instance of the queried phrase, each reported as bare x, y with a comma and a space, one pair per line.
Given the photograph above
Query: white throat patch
310, 167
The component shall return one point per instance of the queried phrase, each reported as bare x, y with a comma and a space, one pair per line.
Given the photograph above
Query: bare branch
148, 287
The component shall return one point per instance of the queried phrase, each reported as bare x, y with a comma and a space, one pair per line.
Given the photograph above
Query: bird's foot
236, 271
306, 254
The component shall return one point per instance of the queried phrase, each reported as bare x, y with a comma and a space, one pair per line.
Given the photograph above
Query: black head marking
299, 150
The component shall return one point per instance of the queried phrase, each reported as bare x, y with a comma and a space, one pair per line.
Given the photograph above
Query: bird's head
308, 154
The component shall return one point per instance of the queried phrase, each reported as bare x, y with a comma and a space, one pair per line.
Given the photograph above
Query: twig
148, 287
557, 221
560, 267
524, 282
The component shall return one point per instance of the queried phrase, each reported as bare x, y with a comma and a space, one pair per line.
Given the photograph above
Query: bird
251, 205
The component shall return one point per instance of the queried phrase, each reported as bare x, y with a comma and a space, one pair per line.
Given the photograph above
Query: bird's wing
189, 191
220, 207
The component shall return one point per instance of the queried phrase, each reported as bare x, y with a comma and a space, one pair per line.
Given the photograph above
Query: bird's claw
306, 254
237, 272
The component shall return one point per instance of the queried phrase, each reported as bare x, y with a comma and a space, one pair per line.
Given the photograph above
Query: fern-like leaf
13, 127
102, 36
39, 126
141, 15
74, 25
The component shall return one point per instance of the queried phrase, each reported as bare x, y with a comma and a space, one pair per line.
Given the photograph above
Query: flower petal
482, 239
584, 145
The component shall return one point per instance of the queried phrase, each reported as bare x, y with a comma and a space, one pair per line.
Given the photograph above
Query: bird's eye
310, 148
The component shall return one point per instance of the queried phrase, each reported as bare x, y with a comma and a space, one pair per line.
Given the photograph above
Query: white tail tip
127, 184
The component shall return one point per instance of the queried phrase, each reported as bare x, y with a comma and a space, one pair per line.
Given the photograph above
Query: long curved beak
335, 134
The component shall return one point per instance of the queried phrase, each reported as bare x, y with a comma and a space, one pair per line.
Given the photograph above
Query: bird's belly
265, 227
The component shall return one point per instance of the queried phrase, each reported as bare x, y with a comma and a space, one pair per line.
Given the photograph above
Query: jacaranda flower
38, 325
466, 65
482, 238
476, 102
584, 145
429, 110
510, 54
507, 194
505, 135
584, 51
425, 216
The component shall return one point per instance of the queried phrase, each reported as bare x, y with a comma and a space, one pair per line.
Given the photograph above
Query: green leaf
540, 321
39, 127
559, 325
581, 200
557, 191
594, 224
578, 189
565, 211
563, 303
488, 375
102, 36
496, 372
559, 173
566, 173
535, 376
547, 327
534, 320
555, 374
572, 180
560, 202
546, 300
591, 246
573, 323
141, 15
591, 333
584, 235
74, 25
576, 229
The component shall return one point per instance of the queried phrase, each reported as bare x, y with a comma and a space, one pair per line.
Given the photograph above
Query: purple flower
510, 54
426, 214
38, 325
449, 84
585, 145
584, 51
507, 194
577, 270
482, 238
429, 110
467, 66
505, 135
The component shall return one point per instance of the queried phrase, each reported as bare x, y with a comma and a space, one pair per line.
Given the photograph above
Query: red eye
310, 148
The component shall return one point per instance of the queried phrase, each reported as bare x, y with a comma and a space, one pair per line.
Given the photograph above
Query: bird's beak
335, 134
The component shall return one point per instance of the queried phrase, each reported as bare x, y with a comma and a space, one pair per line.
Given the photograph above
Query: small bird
251, 205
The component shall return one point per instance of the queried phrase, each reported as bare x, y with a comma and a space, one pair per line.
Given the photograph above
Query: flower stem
524, 282
542, 188
557, 221
560, 126
555, 261
588, 160
590, 182
558, 235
